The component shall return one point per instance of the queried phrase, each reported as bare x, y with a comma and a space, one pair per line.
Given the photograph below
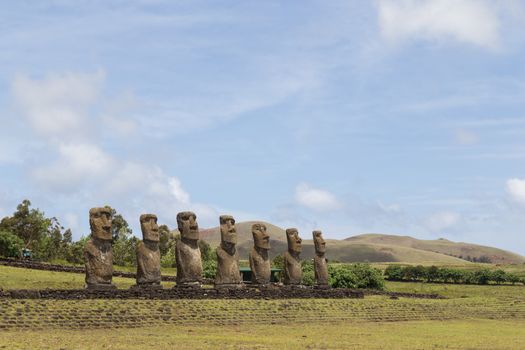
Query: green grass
21, 278
459, 290
474, 334
473, 317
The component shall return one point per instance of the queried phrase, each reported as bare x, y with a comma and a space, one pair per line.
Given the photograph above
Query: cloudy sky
394, 116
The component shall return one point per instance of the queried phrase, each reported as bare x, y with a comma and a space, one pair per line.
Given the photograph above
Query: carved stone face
228, 230
294, 241
320, 244
149, 227
260, 238
187, 224
100, 223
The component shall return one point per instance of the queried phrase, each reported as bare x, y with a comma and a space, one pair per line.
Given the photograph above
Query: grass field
473, 317
472, 334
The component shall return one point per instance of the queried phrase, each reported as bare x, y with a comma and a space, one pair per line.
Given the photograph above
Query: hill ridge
371, 247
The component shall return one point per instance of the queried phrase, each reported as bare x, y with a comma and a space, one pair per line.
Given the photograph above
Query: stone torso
292, 269
99, 262
260, 266
189, 264
227, 267
321, 270
148, 263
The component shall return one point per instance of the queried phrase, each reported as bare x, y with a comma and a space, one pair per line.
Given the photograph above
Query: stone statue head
149, 227
294, 241
260, 238
319, 243
228, 230
187, 224
100, 223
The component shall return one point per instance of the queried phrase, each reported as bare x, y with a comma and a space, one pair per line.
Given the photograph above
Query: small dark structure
246, 274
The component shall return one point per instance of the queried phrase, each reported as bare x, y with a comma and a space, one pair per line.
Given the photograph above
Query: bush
394, 273
10, 244
355, 276
168, 259
75, 251
499, 276
308, 273
209, 268
342, 276
368, 277
482, 276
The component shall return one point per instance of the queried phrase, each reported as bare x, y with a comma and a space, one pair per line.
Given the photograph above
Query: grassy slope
443, 246
370, 247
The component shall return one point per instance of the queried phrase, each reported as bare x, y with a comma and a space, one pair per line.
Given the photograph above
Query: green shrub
10, 244
209, 268
168, 259
394, 273
355, 276
342, 276
308, 273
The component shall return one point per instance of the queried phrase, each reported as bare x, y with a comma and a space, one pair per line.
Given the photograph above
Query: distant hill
370, 247
442, 246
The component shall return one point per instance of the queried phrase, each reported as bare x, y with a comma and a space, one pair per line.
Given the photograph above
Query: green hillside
371, 247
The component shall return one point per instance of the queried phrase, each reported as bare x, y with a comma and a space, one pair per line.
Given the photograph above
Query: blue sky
393, 116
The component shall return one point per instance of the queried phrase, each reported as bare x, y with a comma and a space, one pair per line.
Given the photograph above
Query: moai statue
98, 253
292, 264
320, 265
228, 274
188, 254
148, 253
259, 260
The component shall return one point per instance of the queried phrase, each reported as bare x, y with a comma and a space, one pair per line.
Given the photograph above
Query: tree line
450, 275
48, 240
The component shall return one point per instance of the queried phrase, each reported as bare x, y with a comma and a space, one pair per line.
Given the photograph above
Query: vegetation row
450, 275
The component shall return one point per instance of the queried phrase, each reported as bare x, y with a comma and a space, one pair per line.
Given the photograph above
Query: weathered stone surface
259, 260
228, 274
98, 253
320, 263
293, 272
188, 254
148, 253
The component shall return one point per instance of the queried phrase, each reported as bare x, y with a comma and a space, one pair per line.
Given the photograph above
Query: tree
207, 253
10, 244
432, 273
28, 224
67, 237
394, 273
119, 226
75, 251
482, 276
124, 251
513, 278
499, 276
165, 239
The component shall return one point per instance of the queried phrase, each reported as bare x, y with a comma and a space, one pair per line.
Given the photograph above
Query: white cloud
315, 198
516, 189
469, 21
76, 163
466, 137
441, 221
56, 107
60, 109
